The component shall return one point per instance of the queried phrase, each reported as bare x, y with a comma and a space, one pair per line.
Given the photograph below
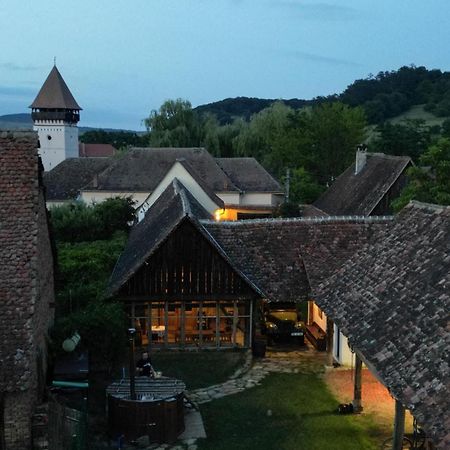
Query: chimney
361, 157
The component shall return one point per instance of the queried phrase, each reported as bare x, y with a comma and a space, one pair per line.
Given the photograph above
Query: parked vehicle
282, 321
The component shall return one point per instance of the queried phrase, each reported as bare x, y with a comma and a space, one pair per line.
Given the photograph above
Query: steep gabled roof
285, 257
392, 301
175, 205
66, 179
54, 94
142, 169
248, 175
359, 194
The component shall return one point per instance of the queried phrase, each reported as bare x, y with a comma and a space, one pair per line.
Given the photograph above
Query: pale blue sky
122, 58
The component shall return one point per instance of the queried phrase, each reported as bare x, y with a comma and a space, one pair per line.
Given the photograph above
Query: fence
67, 427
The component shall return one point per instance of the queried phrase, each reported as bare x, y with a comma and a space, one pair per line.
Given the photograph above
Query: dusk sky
122, 59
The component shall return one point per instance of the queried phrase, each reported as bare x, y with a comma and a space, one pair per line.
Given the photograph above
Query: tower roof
55, 94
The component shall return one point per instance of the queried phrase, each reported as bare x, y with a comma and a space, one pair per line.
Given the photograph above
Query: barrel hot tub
157, 412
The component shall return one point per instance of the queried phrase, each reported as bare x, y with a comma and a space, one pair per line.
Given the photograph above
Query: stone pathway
304, 361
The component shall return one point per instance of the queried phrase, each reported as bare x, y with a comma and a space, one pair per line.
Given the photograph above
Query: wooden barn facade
179, 288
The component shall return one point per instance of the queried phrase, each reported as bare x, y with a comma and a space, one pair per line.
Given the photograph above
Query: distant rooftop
359, 193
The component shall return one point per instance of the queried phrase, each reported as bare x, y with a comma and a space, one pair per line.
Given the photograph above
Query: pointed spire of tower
55, 115
55, 94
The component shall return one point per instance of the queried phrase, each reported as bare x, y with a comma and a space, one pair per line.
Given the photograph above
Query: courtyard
286, 400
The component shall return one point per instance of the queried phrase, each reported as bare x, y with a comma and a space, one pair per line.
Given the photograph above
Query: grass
418, 112
198, 369
302, 417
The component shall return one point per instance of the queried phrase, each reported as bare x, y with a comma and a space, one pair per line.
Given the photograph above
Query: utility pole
287, 184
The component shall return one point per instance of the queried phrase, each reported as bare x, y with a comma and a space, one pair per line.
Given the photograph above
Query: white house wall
341, 350
259, 198
90, 197
229, 198
179, 172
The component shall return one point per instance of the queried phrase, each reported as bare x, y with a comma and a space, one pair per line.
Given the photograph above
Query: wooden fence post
330, 339
399, 426
357, 391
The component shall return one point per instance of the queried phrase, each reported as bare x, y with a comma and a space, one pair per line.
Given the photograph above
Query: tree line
313, 141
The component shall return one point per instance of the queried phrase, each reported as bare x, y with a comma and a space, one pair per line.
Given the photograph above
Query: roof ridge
180, 190
353, 219
387, 156
428, 206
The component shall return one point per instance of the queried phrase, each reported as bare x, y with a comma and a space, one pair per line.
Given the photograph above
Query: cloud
322, 59
17, 67
318, 11
17, 91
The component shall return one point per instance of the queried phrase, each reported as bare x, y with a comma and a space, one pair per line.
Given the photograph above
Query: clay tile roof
142, 169
285, 258
392, 301
66, 179
248, 175
95, 150
359, 194
54, 94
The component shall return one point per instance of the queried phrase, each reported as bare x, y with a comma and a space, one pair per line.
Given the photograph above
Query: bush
78, 222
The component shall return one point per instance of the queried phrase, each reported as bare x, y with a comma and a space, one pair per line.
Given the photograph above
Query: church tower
55, 115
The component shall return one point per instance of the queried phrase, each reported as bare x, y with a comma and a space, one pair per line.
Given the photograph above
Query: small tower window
49, 137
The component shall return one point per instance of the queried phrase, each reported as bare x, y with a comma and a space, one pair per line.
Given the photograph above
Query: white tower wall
58, 141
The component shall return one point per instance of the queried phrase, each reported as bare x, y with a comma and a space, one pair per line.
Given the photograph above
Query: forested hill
244, 107
382, 96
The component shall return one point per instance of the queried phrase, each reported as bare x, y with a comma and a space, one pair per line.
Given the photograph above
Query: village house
26, 287
367, 187
391, 300
242, 184
63, 183
188, 279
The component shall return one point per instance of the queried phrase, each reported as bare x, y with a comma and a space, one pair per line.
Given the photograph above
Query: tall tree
431, 181
334, 130
410, 137
175, 124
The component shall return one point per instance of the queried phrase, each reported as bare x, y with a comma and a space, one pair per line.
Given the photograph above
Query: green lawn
198, 369
302, 418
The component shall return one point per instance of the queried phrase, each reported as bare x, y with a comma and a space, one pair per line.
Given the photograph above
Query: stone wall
26, 285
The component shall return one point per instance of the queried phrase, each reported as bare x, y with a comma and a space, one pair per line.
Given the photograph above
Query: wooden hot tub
157, 412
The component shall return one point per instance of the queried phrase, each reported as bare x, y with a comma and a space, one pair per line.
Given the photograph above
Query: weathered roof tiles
392, 301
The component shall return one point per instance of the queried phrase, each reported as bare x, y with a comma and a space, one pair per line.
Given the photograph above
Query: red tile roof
95, 150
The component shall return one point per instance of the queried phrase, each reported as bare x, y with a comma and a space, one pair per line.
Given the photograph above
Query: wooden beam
250, 336
399, 426
235, 323
217, 324
200, 324
133, 316
166, 323
357, 391
183, 325
330, 341
150, 334
187, 297
310, 312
